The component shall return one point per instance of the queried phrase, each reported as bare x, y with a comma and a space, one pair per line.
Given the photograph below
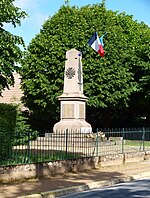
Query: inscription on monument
81, 111
68, 111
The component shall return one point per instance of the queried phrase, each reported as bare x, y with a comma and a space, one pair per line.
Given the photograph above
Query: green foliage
108, 82
23, 132
27, 156
14, 130
10, 52
7, 129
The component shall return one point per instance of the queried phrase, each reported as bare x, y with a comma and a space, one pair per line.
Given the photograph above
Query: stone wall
16, 172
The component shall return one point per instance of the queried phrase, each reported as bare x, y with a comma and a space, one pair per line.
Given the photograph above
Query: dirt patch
37, 185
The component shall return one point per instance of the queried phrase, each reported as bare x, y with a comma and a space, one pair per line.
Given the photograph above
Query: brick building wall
14, 94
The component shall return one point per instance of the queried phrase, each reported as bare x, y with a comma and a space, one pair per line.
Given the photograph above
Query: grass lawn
136, 143
25, 157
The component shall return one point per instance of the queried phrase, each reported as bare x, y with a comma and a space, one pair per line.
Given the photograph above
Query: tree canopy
10, 53
109, 82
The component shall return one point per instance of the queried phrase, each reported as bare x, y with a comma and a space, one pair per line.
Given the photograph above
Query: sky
40, 10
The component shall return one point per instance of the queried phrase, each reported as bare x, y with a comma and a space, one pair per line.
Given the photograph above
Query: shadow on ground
37, 185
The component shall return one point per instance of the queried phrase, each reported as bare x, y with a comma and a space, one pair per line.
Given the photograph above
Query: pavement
55, 186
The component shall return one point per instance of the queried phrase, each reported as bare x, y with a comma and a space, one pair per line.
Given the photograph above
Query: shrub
8, 114
23, 132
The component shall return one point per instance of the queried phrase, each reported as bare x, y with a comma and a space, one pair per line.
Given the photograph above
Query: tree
10, 53
108, 82
23, 131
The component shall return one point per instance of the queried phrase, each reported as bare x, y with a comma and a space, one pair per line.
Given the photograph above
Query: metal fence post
66, 142
97, 143
28, 160
143, 139
123, 141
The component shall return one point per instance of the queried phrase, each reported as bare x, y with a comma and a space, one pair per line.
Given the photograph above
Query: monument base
72, 125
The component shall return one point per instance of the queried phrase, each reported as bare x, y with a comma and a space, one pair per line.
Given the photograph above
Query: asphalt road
135, 189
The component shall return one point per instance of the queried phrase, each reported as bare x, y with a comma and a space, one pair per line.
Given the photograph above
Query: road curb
81, 188
88, 186
141, 175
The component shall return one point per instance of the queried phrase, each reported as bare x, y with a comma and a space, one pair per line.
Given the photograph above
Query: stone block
134, 157
110, 160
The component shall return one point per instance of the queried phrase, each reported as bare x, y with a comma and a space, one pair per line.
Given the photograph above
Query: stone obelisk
73, 101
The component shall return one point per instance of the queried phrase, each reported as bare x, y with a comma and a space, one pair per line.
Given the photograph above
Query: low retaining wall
16, 172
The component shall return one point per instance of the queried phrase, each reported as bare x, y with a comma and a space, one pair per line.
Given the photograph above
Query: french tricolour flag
97, 43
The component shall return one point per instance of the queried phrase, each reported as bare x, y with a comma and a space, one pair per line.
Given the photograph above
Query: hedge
8, 113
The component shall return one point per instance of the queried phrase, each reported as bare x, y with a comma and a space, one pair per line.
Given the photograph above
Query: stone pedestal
73, 101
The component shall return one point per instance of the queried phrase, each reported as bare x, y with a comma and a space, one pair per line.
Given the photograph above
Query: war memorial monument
73, 101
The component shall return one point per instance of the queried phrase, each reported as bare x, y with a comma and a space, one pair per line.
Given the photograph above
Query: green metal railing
70, 144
